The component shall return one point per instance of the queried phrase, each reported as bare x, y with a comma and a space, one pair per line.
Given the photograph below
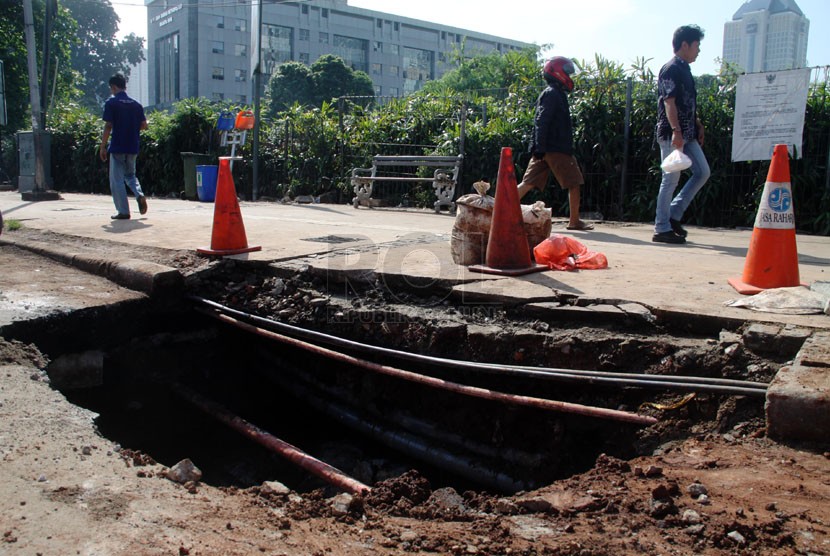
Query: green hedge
313, 151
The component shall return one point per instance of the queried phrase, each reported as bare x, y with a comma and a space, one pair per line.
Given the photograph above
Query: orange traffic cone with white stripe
228, 237
772, 259
508, 252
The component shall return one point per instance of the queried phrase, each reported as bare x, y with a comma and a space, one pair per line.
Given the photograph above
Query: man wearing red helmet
552, 144
678, 127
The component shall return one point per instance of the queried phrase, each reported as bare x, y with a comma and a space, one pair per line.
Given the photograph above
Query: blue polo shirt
125, 114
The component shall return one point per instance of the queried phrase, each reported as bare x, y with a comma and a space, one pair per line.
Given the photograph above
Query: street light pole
39, 135
256, 73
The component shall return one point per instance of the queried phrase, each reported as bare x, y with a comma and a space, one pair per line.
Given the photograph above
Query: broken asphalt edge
150, 278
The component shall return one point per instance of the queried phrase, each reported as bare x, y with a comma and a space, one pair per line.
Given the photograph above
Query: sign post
769, 110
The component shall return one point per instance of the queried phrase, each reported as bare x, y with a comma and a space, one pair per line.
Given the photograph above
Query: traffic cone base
748, 289
772, 257
507, 271
223, 252
508, 253
228, 236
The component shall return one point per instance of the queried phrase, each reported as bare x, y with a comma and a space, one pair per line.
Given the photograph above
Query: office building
137, 84
204, 49
766, 35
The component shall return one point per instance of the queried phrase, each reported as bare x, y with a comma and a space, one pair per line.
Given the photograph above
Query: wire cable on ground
472, 391
674, 383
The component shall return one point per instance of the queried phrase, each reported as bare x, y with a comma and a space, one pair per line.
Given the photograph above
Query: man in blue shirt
678, 127
124, 118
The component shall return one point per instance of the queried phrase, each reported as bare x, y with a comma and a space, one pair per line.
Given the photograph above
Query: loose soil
703, 482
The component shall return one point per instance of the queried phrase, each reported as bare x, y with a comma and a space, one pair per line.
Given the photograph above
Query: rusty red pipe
473, 391
321, 469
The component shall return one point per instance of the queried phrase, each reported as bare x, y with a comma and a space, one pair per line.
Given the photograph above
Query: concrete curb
798, 399
150, 278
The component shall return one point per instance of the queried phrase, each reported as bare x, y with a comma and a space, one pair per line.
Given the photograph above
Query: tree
495, 70
292, 83
333, 78
14, 55
328, 78
97, 54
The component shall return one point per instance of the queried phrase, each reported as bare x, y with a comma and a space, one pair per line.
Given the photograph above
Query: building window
394, 49
276, 47
218, 73
305, 58
305, 9
377, 90
377, 46
217, 47
241, 98
240, 75
393, 91
353, 51
240, 25
417, 65
217, 97
397, 26
219, 21
240, 50
324, 38
394, 71
304, 34
325, 12
167, 69
380, 24
377, 69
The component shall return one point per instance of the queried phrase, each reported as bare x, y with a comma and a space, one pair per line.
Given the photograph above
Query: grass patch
12, 225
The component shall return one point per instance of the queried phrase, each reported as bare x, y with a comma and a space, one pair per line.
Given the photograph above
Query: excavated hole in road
308, 400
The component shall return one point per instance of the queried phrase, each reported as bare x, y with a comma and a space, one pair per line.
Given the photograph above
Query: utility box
28, 163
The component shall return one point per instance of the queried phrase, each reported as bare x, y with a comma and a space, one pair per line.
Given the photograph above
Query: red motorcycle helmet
560, 69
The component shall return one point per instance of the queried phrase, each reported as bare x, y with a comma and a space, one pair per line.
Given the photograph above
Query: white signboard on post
769, 110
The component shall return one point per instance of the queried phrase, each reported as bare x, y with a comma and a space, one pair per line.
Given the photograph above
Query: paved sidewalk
689, 279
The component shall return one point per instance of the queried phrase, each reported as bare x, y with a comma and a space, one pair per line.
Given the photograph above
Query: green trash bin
191, 160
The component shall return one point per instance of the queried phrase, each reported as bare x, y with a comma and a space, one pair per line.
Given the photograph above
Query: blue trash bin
206, 182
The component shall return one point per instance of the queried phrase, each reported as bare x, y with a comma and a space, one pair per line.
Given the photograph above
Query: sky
618, 30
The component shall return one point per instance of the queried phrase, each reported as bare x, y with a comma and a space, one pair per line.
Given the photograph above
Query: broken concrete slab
798, 404
816, 351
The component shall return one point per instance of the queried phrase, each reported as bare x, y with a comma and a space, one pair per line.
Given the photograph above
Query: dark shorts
564, 167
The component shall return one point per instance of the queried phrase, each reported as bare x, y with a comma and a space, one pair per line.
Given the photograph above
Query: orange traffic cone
228, 229
772, 259
507, 250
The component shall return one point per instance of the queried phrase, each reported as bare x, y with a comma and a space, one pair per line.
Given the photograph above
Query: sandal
582, 227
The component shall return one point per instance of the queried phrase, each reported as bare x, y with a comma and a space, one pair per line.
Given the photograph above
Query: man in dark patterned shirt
678, 127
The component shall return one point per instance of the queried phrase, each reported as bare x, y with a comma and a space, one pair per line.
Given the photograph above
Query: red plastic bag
566, 253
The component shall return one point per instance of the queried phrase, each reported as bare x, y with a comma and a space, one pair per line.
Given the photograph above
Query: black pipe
678, 383
416, 426
433, 382
412, 445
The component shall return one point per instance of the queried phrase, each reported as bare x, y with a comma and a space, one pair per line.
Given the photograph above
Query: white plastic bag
676, 161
